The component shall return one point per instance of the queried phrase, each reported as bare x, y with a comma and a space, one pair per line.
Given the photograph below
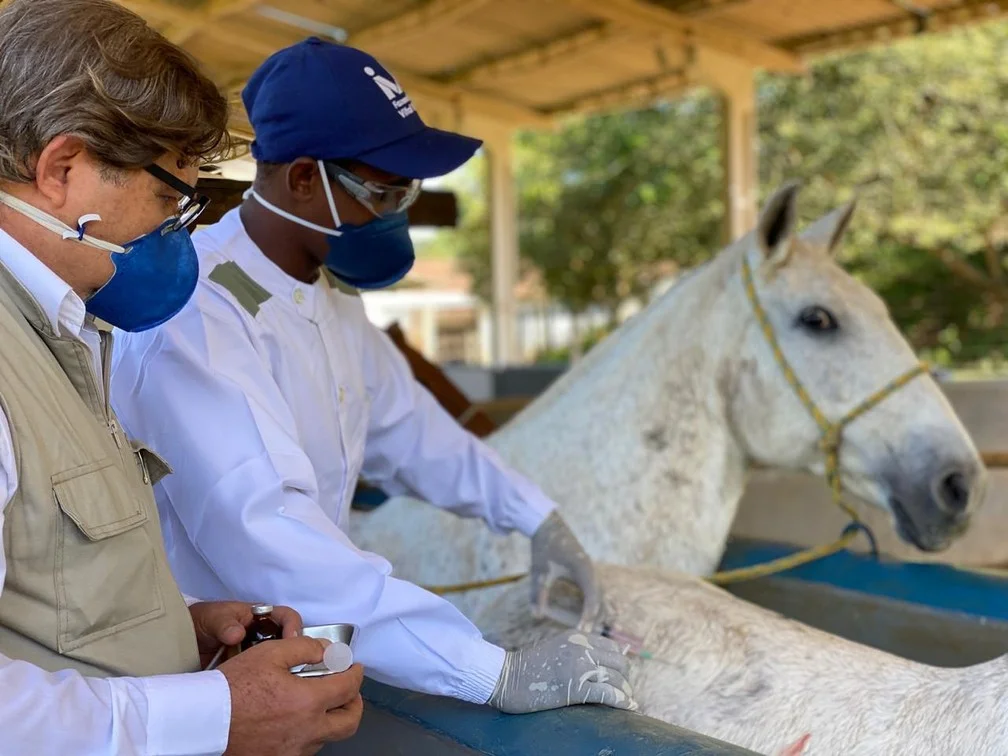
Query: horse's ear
828, 230
775, 230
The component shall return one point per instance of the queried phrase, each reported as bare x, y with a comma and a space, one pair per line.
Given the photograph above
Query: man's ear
302, 179
53, 166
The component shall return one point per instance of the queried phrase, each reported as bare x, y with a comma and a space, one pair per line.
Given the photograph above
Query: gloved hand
556, 552
565, 670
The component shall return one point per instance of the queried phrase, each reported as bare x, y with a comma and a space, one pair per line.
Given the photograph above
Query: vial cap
337, 657
258, 610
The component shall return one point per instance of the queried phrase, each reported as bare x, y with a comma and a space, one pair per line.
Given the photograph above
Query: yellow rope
441, 590
724, 577
829, 443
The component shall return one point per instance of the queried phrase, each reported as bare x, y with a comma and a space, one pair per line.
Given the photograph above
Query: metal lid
258, 610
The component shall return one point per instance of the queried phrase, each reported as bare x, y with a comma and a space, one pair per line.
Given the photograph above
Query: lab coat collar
296, 296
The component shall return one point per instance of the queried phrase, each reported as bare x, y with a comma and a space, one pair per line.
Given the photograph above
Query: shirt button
298, 296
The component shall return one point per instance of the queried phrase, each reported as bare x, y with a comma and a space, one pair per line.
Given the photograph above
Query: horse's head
908, 453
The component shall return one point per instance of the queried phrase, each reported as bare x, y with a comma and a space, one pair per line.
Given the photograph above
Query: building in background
445, 322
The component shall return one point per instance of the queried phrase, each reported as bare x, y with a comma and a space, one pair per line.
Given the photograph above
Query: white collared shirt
267, 420
64, 712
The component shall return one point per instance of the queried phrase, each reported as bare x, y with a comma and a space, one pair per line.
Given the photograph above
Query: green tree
606, 205
920, 131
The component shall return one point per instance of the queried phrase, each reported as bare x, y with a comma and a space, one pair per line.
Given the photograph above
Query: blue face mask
371, 256
155, 274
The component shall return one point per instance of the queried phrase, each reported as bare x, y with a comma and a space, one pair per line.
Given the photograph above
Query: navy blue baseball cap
328, 101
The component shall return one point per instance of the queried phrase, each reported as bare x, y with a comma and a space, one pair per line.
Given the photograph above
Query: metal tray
337, 633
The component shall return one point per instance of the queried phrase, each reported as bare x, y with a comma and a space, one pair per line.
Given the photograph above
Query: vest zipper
106, 354
106, 359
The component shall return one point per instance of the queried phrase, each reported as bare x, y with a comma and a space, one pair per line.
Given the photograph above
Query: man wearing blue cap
271, 392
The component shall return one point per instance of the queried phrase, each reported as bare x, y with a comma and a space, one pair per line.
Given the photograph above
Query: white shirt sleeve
199, 393
415, 446
64, 712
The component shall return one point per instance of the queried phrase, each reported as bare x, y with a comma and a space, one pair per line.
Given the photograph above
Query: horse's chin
929, 540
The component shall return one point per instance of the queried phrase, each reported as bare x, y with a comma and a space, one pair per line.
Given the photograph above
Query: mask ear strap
328, 194
250, 192
57, 226
81, 222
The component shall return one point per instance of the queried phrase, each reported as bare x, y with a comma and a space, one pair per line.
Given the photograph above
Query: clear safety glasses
381, 199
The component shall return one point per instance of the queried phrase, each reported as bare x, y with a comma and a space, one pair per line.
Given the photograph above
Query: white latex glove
556, 552
566, 670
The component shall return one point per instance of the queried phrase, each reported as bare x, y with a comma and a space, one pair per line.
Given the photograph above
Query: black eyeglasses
190, 205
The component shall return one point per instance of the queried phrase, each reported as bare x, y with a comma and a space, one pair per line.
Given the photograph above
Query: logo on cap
391, 89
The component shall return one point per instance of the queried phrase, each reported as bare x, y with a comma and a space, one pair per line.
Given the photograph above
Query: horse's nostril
955, 492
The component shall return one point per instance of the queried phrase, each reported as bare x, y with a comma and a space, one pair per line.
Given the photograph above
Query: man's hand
556, 552
220, 623
568, 669
276, 713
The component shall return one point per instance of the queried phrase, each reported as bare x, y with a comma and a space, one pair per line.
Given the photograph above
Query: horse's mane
601, 351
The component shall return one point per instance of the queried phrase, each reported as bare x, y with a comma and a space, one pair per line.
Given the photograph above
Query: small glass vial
263, 627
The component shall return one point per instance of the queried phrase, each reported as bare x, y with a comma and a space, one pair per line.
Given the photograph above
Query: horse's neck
634, 442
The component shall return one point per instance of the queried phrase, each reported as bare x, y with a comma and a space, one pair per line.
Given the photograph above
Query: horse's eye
817, 319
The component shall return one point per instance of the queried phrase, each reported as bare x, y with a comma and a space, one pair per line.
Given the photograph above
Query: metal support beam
419, 21
649, 18
503, 246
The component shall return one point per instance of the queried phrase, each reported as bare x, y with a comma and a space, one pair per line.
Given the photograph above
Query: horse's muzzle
934, 512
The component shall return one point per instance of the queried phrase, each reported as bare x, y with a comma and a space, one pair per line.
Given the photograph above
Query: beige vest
88, 585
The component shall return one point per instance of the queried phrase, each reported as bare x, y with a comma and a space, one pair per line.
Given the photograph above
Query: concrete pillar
429, 329
741, 164
735, 81
503, 245
486, 336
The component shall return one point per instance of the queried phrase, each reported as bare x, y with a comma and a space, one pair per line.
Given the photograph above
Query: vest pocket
106, 566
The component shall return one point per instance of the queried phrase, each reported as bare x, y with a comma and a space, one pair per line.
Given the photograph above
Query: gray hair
95, 70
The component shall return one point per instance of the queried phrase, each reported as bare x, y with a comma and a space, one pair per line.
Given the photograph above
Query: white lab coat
64, 712
267, 420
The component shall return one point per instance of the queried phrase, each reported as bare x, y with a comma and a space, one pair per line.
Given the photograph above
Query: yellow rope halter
829, 443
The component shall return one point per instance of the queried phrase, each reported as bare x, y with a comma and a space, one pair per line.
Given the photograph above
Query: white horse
645, 446
645, 443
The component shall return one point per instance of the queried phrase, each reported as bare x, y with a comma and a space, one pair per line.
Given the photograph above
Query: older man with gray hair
102, 125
